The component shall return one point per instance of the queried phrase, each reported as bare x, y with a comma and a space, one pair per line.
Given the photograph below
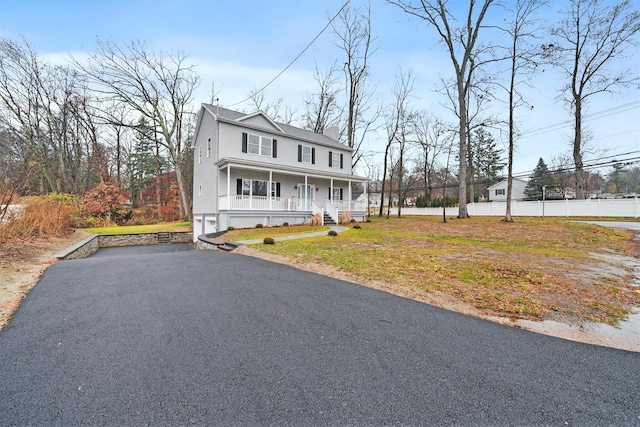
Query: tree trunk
462, 153
577, 151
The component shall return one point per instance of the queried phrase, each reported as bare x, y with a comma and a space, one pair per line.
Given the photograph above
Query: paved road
628, 225
212, 338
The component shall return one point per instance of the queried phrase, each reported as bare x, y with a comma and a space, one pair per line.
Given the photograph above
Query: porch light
295, 187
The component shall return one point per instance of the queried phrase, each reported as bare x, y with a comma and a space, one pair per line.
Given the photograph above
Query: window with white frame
335, 159
500, 192
256, 187
306, 154
260, 145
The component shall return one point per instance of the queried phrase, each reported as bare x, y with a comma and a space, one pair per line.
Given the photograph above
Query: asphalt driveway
183, 337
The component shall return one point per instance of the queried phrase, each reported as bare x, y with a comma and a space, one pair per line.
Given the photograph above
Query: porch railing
265, 203
332, 211
259, 203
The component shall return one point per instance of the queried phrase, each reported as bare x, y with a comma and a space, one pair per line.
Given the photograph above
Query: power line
587, 117
297, 57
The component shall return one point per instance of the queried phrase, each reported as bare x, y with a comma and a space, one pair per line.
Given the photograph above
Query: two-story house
250, 170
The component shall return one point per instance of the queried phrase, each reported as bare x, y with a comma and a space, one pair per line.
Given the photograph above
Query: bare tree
157, 86
272, 108
522, 63
562, 169
399, 125
461, 44
591, 40
321, 107
352, 31
430, 135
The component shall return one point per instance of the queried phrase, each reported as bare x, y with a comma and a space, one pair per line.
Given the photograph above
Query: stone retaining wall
95, 242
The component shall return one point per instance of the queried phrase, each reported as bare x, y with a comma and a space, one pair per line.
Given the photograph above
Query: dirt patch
21, 265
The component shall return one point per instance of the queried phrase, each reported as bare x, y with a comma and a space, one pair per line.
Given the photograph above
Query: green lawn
135, 229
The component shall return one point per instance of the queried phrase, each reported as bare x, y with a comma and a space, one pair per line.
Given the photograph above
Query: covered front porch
279, 195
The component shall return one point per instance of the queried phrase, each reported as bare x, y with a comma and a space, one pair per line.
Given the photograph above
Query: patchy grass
134, 229
528, 269
259, 233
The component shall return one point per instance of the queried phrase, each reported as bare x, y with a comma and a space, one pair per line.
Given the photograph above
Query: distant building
498, 192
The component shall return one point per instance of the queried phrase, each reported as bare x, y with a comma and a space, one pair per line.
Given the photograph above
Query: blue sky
241, 45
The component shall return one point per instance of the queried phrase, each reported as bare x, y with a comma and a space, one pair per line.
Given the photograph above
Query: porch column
308, 199
331, 191
349, 195
271, 195
228, 187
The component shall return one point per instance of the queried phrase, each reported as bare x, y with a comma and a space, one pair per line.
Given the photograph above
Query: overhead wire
296, 58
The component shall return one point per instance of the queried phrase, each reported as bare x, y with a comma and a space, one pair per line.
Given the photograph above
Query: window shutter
277, 189
341, 194
330, 159
330, 198
239, 186
244, 142
275, 148
299, 152
313, 156
341, 160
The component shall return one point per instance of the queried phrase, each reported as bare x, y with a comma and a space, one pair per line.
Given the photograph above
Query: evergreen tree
540, 177
140, 163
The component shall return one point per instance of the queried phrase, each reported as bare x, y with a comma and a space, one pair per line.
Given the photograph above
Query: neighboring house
250, 170
498, 192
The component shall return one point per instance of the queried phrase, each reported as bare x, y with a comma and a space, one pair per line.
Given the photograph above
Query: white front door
305, 196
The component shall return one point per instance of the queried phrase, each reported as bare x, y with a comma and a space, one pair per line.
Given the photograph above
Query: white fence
629, 208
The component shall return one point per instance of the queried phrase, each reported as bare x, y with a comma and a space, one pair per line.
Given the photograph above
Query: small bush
259, 226
332, 233
285, 224
353, 220
357, 226
368, 220
269, 241
230, 228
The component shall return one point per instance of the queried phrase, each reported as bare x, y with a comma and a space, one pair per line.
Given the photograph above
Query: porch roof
287, 170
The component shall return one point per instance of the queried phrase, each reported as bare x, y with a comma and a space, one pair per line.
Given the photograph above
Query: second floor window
335, 160
306, 154
260, 145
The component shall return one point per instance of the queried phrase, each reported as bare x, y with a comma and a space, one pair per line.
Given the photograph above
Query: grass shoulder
528, 269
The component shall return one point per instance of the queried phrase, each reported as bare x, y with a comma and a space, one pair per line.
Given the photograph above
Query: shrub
104, 201
46, 216
259, 226
357, 226
285, 224
332, 233
269, 241
230, 228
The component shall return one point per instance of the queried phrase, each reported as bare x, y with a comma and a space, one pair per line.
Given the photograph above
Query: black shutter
313, 156
277, 189
330, 159
244, 142
239, 186
341, 194
341, 160
299, 152
330, 198
275, 148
